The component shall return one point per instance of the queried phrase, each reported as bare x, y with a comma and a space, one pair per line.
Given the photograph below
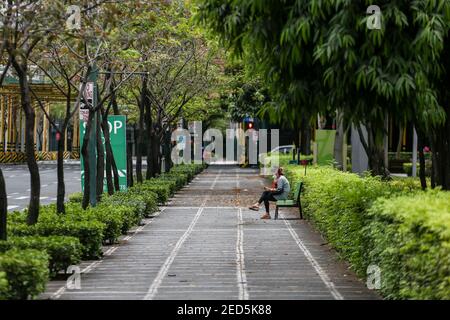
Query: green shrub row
392, 225
26, 272
407, 168
3, 285
409, 239
33, 253
75, 223
162, 191
63, 251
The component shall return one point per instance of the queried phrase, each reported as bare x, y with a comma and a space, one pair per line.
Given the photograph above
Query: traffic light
249, 124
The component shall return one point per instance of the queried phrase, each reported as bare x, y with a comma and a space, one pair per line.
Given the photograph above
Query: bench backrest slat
297, 192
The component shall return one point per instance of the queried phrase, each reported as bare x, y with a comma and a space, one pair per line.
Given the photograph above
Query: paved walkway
207, 245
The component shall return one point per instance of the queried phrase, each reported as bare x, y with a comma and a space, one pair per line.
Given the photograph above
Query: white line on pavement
322, 274
12, 207
152, 291
22, 198
215, 180
109, 252
240, 260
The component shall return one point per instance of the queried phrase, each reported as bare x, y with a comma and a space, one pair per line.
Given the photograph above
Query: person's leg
267, 206
267, 198
261, 200
264, 196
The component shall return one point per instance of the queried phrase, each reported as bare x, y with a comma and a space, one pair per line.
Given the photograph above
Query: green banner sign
325, 146
118, 134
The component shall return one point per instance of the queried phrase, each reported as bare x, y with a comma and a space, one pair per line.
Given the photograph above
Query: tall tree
60, 66
3, 195
321, 56
25, 25
176, 59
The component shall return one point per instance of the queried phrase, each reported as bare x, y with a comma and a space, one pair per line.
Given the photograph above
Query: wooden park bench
296, 203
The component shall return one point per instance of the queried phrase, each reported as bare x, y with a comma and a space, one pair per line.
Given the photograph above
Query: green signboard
118, 134
325, 146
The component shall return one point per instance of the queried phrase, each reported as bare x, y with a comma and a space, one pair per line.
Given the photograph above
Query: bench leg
300, 210
276, 213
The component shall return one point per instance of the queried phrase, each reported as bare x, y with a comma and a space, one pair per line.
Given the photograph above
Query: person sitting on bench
281, 192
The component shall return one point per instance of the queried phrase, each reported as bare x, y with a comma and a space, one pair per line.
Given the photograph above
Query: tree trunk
109, 153
25, 94
167, 152
150, 132
100, 160
433, 165
115, 171
339, 141
375, 150
441, 150
421, 145
130, 178
297, 142
86, 166
305, 144
156, 155
114, 104
108, 146
139, 143
400, 141
140, 139
150, 159
3, 208
441, 134
61, 187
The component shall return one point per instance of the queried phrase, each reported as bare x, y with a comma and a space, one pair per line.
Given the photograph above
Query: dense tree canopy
319, 56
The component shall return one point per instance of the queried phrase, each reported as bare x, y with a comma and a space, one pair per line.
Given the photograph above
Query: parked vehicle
283, 149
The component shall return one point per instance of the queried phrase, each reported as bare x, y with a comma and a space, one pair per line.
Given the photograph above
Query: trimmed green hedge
407, 168
188, 169
63, 251
150, 200
88, 231
131, 208
170, 185
58, 241
76, 197
393, 225
181, 179
409, 239
3, 285
162, 191
336, 202
26, 273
